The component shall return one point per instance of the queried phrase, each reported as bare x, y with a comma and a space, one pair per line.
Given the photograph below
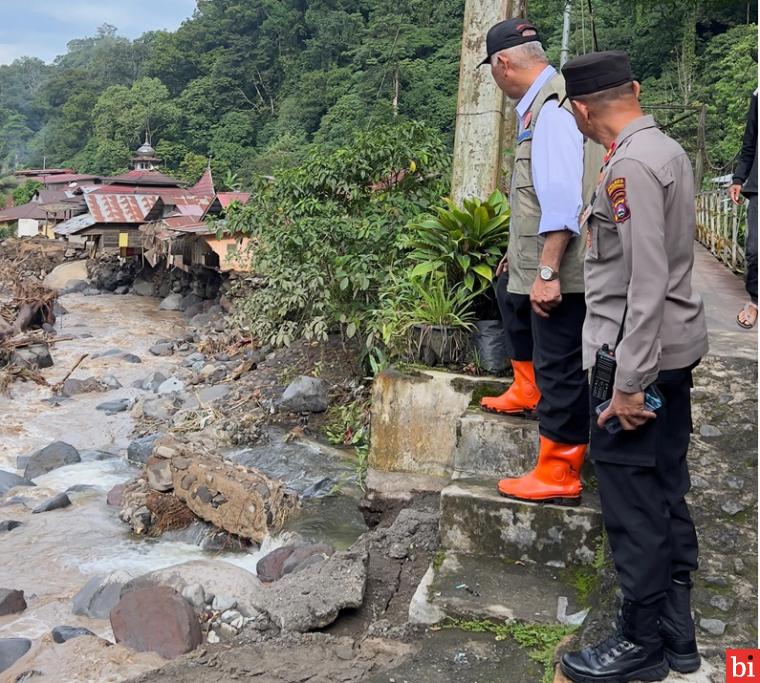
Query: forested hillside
254, 83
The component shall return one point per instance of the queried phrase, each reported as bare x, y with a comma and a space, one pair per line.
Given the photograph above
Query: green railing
721, 226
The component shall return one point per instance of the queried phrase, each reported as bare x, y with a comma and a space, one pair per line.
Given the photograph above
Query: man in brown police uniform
644, 331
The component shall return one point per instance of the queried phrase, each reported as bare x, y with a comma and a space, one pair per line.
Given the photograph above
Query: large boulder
57, 502
142, 288
237, 499
173, 302
12, 649
61, 277
53, 456
35, 356
11, 601
9, 480
156, 619
306, 395
99, 595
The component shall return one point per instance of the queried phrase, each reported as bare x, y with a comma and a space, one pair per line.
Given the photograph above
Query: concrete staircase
499, 558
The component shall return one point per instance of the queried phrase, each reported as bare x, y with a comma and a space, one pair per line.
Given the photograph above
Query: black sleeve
749, 145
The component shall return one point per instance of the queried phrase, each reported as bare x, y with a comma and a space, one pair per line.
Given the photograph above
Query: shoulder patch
619, 200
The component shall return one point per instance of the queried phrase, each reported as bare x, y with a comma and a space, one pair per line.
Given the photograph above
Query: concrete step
476, 520
491, 445
468, 587
414, 418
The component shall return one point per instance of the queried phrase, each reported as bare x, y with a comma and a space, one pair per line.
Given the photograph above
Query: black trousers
750, 247
643, 478
554, 346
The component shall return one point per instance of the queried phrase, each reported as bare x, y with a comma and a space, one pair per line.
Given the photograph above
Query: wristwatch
547, 273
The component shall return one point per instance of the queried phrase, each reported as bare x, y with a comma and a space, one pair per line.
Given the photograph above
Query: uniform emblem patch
619, 200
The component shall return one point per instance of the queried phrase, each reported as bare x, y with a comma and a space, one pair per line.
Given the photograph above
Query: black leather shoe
677, 629
635, 653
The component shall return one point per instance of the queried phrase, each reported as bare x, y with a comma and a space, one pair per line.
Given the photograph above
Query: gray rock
91, 291
733, 507
171, 386
9, 525
312, 598
738, 565
194, 358
159, 475
11, 650
162, 349
72, 286
100, 595
63, 633
306, 394
11, 601
715, 627
73, 386
709, 431
9, 480
142, 287
227, 631
109, 352
152, 381
53, 456
222, 603
140, 449
190, 300
736, 483
158, 409
213, 393
122, 289
195, 595
721, 602
55, 503
173, 302
112, 407
110, 382
34, 356
131, 358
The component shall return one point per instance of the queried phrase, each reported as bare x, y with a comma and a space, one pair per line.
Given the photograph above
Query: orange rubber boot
521, 398
555, 478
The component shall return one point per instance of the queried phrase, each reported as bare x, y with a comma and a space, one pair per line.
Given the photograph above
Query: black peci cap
596, 71
508, 33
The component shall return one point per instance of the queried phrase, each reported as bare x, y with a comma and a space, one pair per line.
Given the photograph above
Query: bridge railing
721, 226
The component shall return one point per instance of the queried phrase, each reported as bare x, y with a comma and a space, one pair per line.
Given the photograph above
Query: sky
41, 28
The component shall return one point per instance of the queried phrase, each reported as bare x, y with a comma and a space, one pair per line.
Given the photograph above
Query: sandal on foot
748, 315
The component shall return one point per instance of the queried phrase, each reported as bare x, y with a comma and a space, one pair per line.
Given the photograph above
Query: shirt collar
527, 99
634, 127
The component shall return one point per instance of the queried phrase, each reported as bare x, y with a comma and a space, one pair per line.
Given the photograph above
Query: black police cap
508, 33
596, 71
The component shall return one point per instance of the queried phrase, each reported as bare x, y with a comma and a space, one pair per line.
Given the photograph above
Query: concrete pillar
485, 127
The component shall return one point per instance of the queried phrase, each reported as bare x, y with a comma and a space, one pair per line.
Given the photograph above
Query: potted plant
440, 321
464, 246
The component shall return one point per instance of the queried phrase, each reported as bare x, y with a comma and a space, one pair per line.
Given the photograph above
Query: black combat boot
634, 653
677, 628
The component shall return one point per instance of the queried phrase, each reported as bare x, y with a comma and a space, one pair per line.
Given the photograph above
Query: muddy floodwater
52, 555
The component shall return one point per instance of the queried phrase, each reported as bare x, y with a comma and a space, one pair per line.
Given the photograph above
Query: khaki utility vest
525, 244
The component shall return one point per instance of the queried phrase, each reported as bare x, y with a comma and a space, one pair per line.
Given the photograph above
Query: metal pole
565, 51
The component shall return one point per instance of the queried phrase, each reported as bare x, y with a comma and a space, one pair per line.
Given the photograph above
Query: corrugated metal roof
120, 208
60, 178
74, 225
138, 177
226, 198
28, 210
204, 186
196, 208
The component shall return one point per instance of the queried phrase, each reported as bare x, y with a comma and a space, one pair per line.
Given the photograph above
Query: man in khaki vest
543, 306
